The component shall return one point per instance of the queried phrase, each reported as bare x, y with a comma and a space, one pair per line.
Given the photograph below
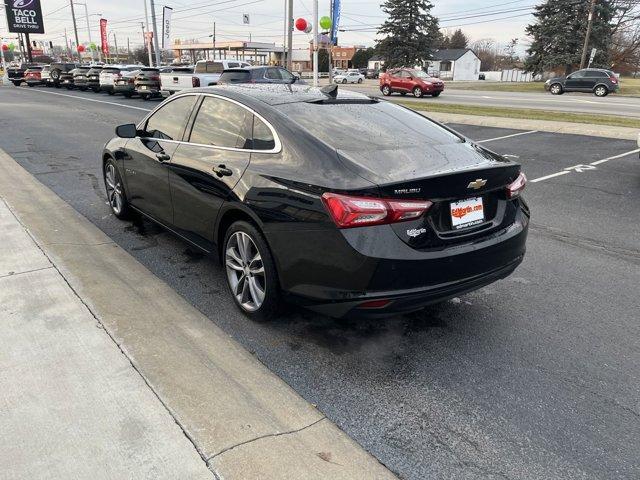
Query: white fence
513, 75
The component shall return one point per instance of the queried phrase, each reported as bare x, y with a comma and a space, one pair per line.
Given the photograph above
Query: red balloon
301, 24
5, 47
81, 48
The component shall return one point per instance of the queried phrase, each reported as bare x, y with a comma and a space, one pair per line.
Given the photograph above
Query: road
534, 377
569, 102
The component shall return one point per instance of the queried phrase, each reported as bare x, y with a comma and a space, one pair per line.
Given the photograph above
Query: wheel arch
230, 214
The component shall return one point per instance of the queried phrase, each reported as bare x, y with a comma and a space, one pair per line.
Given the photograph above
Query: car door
590, 79
574, 81
395, 79
148, 158
273, 75
206, 168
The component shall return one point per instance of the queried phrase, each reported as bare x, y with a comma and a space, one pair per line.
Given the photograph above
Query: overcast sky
501, 20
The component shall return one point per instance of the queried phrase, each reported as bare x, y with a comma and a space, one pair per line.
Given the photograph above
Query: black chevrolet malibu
345, 204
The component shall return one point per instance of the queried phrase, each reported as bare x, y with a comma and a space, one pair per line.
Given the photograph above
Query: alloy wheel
114, 189
417, 92
601, 91
245, 271
555, 89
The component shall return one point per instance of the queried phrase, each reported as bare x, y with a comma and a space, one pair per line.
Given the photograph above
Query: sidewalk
72, 404
106, 372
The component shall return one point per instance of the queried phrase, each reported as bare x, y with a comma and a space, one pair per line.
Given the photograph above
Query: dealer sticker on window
465, 213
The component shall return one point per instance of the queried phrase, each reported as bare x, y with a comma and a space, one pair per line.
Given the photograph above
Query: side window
168, 123
262, 136
286, 75
273, 74
233, 65
221, 123
578, 74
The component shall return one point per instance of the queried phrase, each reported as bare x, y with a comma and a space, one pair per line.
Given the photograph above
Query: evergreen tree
458, 40
411, 34
361, 57
559, 31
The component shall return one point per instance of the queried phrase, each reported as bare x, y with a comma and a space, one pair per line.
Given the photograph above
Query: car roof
275, 93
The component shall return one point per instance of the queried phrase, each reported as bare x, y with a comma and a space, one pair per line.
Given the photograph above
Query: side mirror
128, 130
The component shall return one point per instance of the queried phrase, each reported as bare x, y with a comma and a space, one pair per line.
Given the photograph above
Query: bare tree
625, 38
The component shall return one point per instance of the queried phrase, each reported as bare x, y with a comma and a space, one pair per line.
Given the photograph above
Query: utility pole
75, 27
585, 48
331, 45
128, 51
147, 41
284, 37
214, 40
156, 45
29, 54
316, 33
86, 16
290, 35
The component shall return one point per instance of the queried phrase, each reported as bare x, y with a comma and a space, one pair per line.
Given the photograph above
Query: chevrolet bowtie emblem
478, 183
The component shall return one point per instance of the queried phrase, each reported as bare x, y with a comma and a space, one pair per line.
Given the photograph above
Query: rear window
238, 76
209, 67
111, 70
373, 126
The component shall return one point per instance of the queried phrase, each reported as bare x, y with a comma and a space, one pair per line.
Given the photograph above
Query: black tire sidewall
271, 305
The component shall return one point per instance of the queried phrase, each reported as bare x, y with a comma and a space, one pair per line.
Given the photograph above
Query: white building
455, 64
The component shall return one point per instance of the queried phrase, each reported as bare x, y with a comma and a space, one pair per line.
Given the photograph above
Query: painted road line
547, 177
598, 162
91, 100
506, 136
581, 167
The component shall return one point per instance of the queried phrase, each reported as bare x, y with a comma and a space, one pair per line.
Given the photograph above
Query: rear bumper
106, 88
124, 89
335, 272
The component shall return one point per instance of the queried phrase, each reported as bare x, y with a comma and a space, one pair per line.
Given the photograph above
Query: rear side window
262, 136
273, 74
238, 76
169, 121
221, 123
209, 67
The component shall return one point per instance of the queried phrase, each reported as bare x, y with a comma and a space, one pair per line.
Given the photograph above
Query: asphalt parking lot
535, 376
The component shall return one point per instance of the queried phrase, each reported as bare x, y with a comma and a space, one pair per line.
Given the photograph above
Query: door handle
163, 157
222, 171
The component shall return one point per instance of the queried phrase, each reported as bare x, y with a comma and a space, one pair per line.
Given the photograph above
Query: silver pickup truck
205, 73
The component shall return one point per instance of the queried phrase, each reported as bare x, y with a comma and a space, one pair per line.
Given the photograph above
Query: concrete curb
605, 131
242, 419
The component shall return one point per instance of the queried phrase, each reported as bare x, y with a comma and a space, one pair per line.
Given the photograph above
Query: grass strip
524, 113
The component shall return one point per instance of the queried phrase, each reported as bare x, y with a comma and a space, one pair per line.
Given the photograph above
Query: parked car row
149, 82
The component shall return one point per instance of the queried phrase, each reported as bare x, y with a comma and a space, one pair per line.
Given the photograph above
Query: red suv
409, 80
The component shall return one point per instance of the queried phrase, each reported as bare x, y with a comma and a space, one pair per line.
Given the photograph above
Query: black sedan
348, 205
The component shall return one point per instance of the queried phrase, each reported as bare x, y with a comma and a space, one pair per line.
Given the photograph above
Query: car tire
417, 92
359, 80
386, 90
251, 272
110, 92
144, 96
601, 91
128, 95
436, 94
403, 93
17, 84
556, 89
83, 89
55, 75
344, 80
31, 85
116, 195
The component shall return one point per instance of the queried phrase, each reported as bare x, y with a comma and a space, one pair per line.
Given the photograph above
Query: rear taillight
515, 188
195, 82
349, 212
613, 79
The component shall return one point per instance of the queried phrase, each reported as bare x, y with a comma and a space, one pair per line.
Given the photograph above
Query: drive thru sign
24, 16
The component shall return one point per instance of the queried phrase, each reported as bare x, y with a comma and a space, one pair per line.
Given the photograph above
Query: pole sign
593, 55
335, 22
103, 36
24, 16
166, 26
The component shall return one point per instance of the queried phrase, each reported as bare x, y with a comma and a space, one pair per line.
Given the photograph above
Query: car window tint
233, 65
273, 74
579, 74
235, 76
262, 136
169, 121
286, 75
220, 123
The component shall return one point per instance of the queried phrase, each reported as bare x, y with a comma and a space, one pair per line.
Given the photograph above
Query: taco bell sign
24, 16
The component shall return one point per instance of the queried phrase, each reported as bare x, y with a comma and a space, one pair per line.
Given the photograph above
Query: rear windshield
373, 126
180, 70
209, 67
238, 76
110, 70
